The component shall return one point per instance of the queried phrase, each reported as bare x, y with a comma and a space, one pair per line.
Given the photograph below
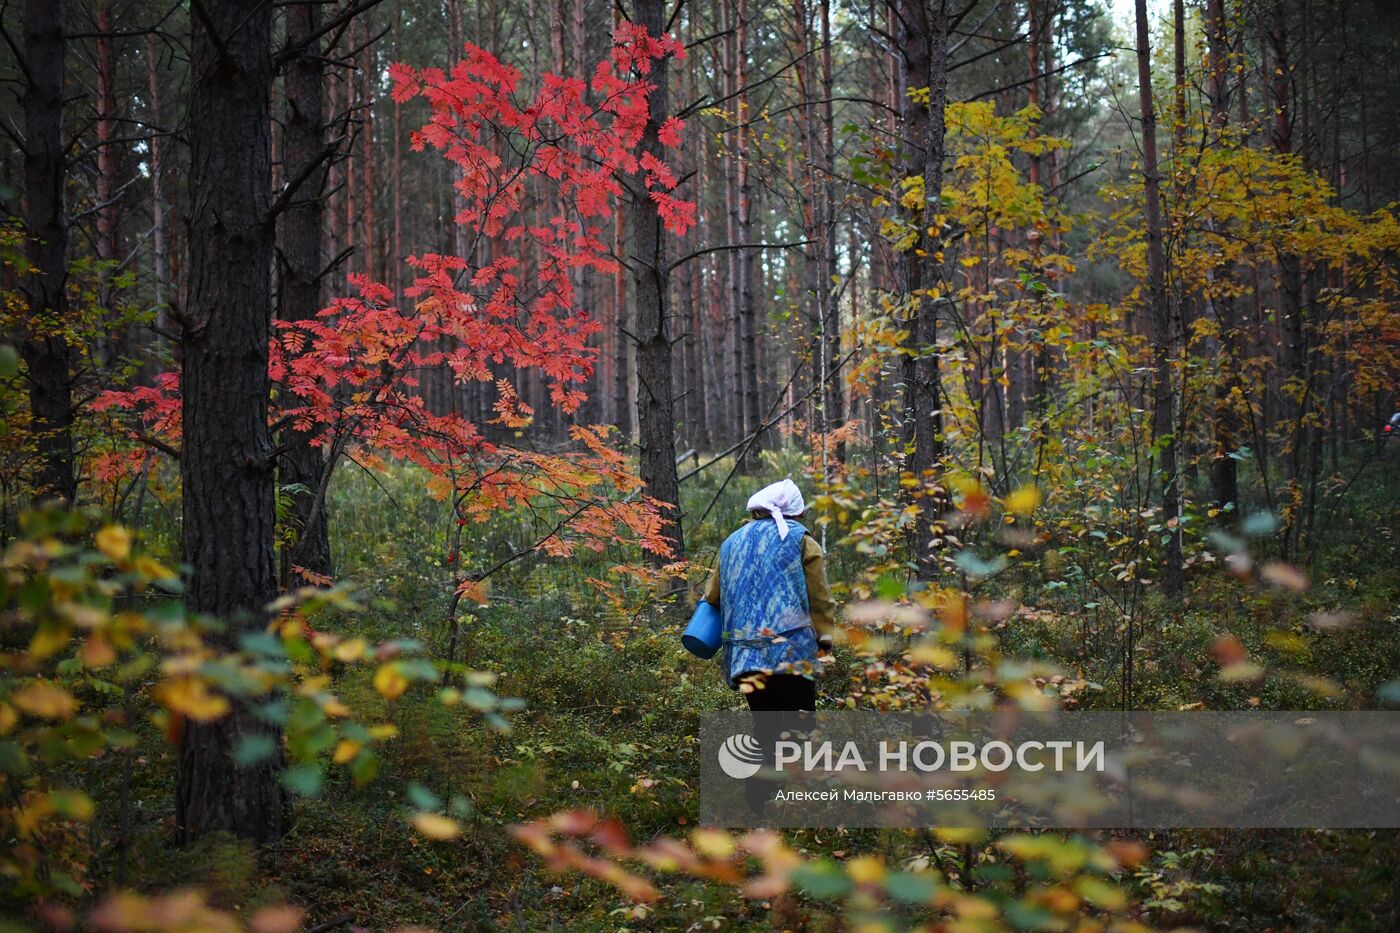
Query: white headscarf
781, 498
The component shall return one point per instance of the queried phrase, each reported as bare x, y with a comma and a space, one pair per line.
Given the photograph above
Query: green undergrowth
610, 723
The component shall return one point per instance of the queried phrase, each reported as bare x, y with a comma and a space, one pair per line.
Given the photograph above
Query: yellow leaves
390, 681
152, 569
71, 804
114, 542
45, 700
913, 196
956, 836
183, 910
866, 869
48, 639
352, 649
1100, 893
346, 751
64, 804
712, 843
190, 696
933, 654
1060, 855
1023, 501
436, 826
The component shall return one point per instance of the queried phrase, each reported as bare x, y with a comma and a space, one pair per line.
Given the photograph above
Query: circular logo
740, 756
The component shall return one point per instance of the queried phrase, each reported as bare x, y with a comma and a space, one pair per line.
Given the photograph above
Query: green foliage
100, 660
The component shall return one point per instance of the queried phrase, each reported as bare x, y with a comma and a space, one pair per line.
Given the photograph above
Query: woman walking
771, 590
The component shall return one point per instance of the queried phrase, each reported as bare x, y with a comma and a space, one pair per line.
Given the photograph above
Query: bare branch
728, 246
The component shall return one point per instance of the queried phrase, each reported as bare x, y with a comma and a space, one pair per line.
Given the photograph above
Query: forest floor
611, 719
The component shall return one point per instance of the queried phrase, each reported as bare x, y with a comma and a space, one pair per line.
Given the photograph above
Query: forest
380, 378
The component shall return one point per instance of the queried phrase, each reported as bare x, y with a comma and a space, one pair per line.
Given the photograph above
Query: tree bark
1159, 312
299, 294
732, 258
831, 302
159, 238
225, 464
107, 218
650, 293
368, 78
1224, 472
43, 344
745, 259
924, 50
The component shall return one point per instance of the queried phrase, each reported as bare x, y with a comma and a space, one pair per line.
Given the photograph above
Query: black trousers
780, 693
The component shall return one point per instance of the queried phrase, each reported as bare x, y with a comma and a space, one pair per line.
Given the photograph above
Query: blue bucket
702, 635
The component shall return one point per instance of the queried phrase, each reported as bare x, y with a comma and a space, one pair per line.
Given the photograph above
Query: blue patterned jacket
763, 602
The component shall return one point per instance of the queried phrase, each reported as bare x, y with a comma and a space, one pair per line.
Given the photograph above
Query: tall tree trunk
106, 182
1179, 76
924, 63
225, 464
1295, 375
43, 343
622, 368
368, 77
650, 293
811, 342
159, 237
299, 294
1159, 312
749, 328
1224, 471
621, 374
692, 282
831, 301
732, 258
396, 252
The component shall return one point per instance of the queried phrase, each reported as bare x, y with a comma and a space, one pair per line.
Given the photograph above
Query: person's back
764, 601
770, 588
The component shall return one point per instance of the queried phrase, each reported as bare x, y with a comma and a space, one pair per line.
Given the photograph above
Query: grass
611, 718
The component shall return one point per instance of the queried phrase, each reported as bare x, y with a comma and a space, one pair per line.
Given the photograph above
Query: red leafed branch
349, 377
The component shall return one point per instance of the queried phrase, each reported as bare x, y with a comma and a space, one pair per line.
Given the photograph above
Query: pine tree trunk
831, 310
1159, 311
650, 293
106, 182
732, 259
43, 344
1224, 471
300, 255
746, 259
368, 75
159, 237
622, 376
225, 464
396, 255
924, 48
